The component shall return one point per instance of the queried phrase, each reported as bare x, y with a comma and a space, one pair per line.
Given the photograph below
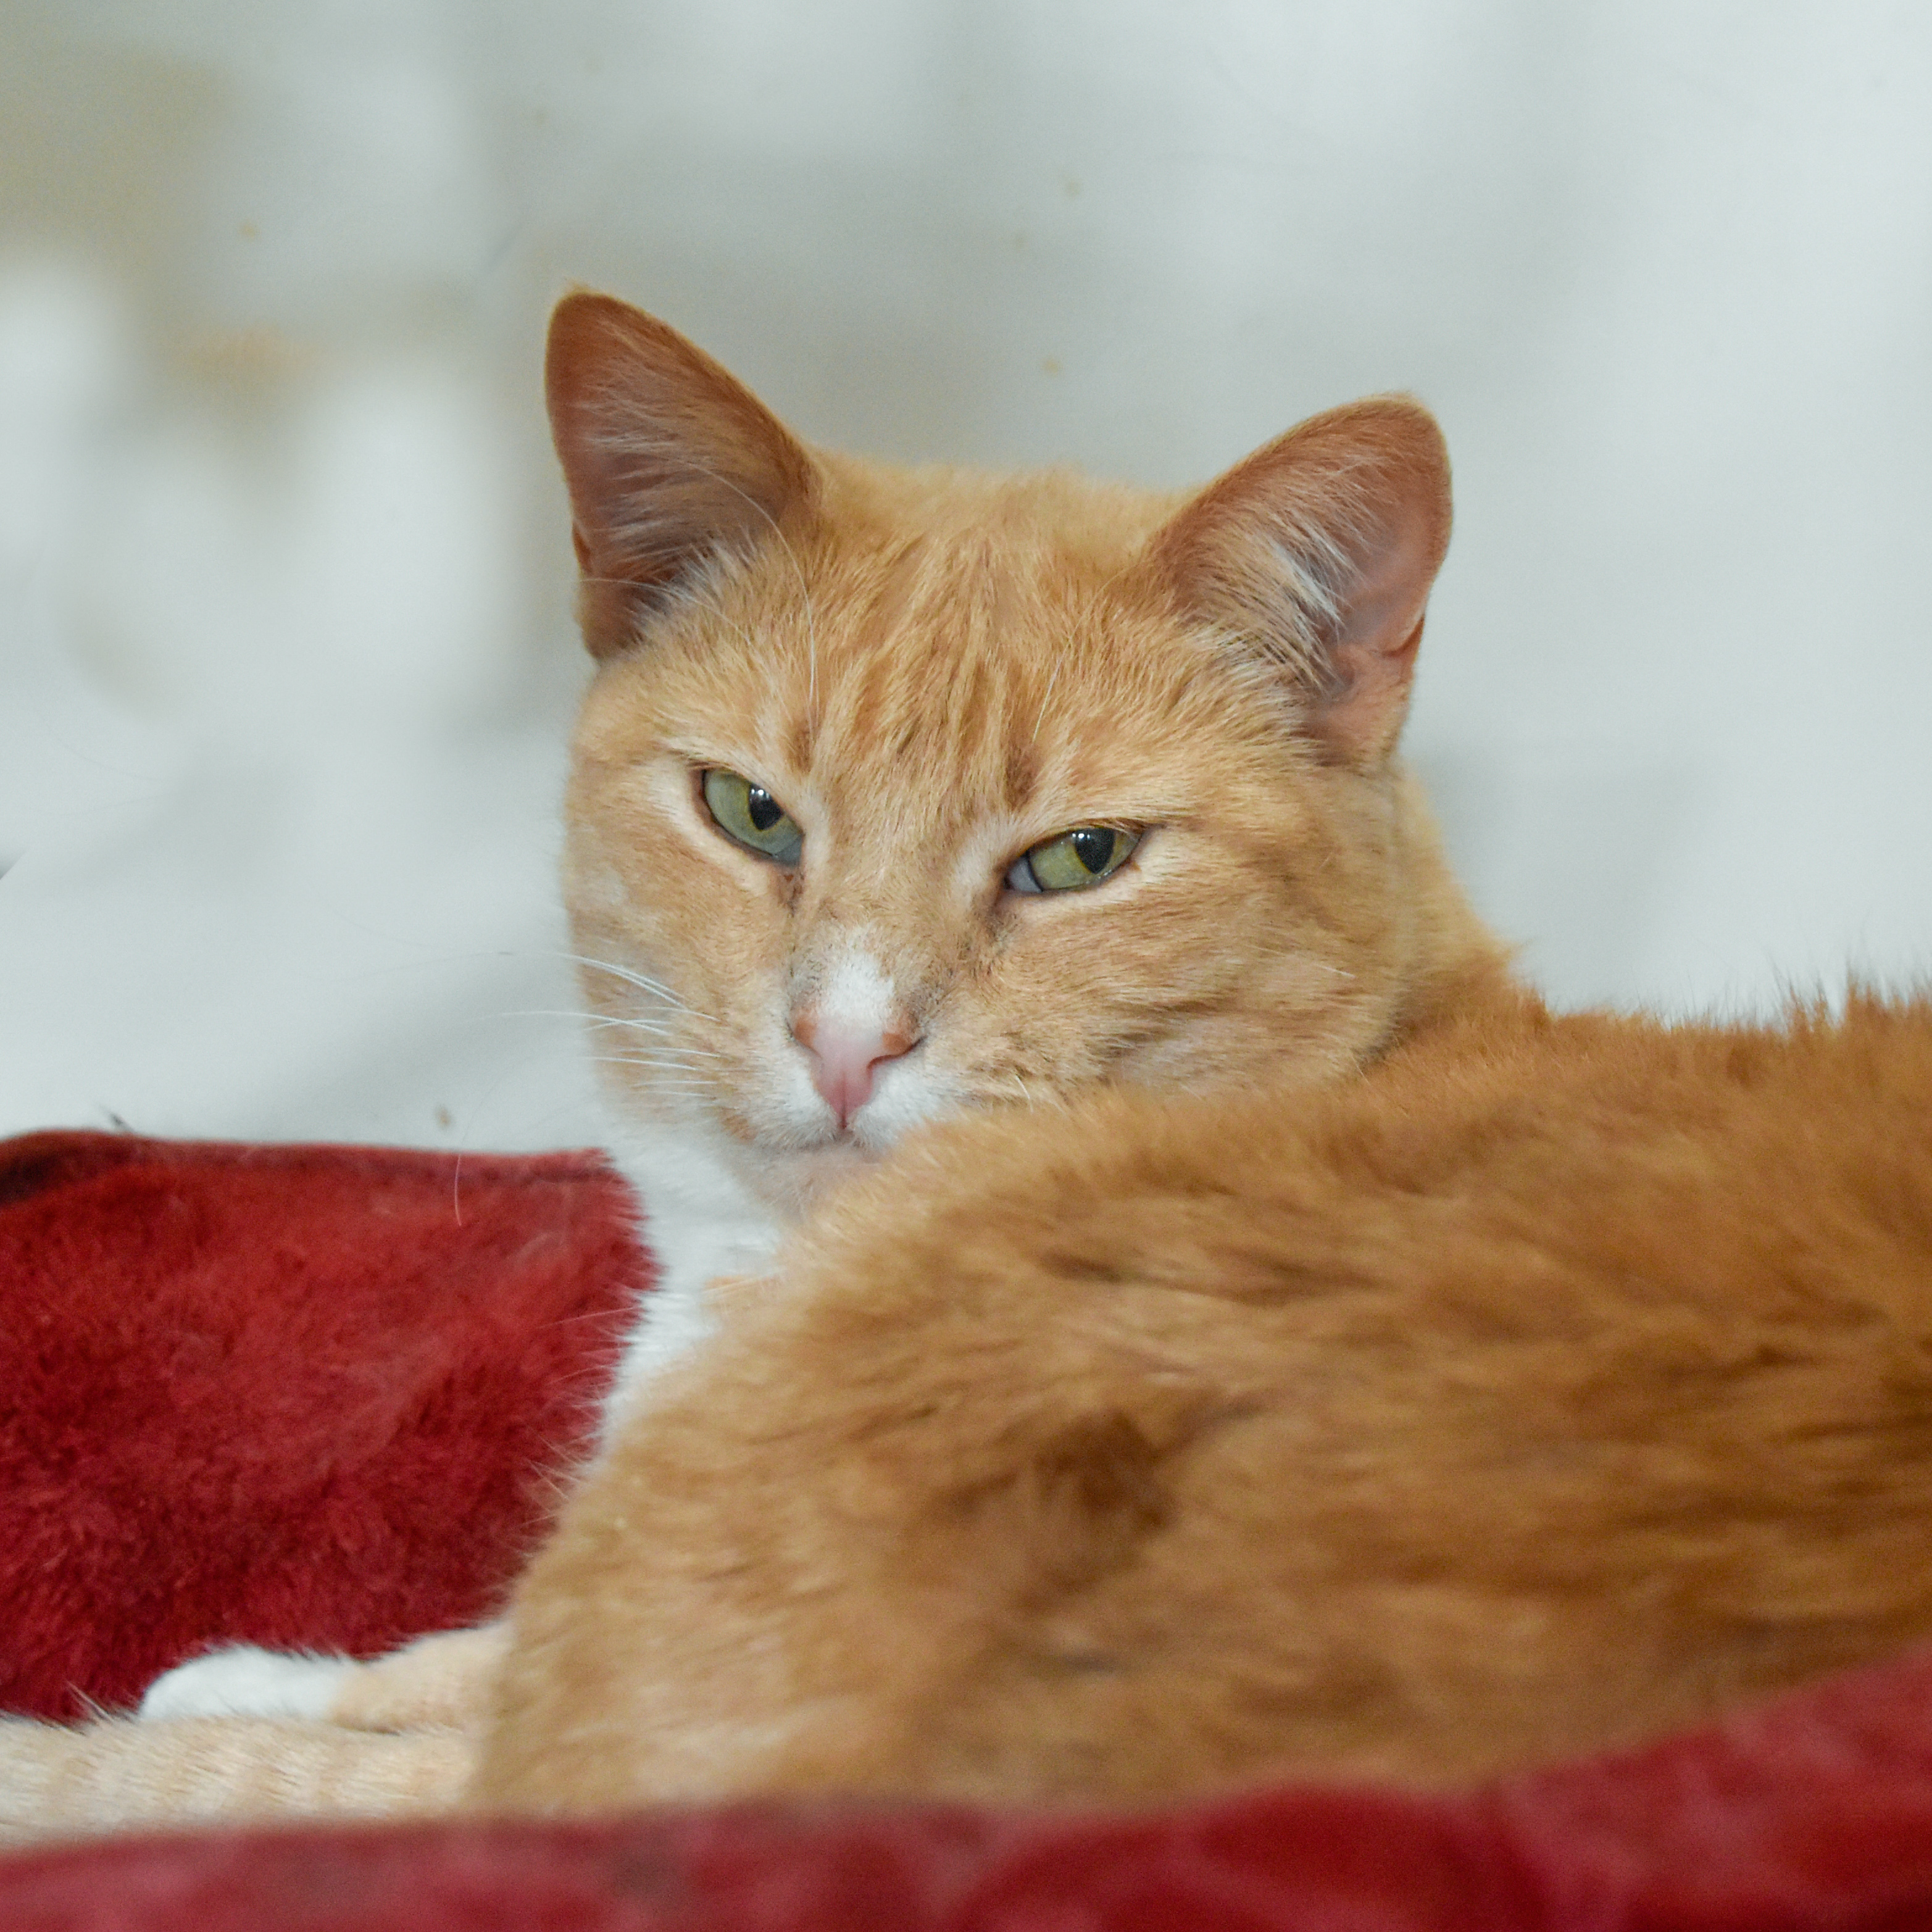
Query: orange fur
119, 1773
1557, 1383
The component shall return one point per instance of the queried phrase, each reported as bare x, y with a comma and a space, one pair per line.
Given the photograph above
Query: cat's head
898, 792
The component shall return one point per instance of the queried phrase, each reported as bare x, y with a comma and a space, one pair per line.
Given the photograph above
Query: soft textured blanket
296, 1395
314, 1396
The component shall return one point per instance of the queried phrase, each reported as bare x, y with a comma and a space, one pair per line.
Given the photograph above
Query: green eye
748, 815
1084, 857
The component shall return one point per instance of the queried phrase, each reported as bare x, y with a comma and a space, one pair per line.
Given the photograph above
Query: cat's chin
801, 1179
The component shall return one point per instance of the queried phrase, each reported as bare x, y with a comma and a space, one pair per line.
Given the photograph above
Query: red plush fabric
1813, 1816
298, 1395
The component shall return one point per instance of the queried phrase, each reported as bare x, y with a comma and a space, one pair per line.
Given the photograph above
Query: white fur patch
858, 995
905, 1094
244, 1681
701, 1222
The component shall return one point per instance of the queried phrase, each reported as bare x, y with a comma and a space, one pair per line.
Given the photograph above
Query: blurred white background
285, 656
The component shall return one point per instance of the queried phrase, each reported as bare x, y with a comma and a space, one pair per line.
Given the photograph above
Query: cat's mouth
805, 1176
849, 1147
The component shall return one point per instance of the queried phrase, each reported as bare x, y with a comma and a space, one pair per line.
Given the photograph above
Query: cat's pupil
1092, 846
764, 810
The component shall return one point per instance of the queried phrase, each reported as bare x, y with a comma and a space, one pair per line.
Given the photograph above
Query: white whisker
584, 1018
656, 988
665, 1049
649, 1060
601, 1021
695, 1076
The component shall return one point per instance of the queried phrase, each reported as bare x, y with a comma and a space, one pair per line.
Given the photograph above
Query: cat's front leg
442, 1681
118, 1773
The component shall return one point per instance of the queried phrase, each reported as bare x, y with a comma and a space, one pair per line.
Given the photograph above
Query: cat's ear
669, 461
1317, 553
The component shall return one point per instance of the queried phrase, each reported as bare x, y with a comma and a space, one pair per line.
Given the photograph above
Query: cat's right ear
669, 461
1317, 555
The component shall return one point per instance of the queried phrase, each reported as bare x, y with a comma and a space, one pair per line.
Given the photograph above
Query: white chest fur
701, 1223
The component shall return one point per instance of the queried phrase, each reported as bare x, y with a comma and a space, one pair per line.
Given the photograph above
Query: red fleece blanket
314, 1396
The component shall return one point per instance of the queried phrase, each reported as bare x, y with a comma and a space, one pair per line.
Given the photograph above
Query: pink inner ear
1320, 551
667, 458
1374, 650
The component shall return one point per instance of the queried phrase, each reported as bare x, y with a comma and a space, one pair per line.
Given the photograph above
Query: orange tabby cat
1556, 1384
1312, 1355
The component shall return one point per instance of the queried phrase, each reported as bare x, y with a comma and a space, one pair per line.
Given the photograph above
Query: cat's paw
243, 1682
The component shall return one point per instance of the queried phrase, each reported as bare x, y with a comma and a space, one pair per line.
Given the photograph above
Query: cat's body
1560, 1382
1313, 1356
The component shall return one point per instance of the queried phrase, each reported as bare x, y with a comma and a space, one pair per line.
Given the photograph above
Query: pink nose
843, 1058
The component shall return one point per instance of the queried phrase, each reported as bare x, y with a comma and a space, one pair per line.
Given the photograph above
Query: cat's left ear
671, 462
1317, 553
